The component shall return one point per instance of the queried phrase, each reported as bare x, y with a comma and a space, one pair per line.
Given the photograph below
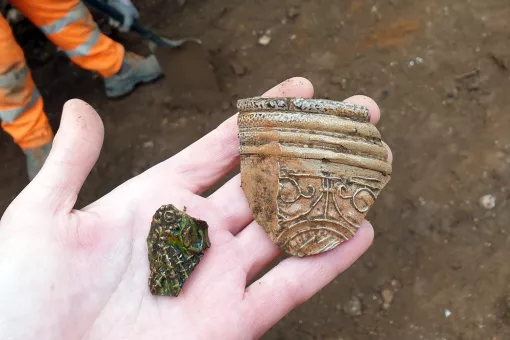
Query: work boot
36, 158
135, 70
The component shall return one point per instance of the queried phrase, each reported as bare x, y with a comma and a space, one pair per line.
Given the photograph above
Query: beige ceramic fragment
310, 168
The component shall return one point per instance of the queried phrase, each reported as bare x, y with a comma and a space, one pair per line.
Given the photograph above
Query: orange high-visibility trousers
69, 25
21, 105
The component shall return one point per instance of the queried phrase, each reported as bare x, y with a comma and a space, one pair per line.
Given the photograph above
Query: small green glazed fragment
176, 243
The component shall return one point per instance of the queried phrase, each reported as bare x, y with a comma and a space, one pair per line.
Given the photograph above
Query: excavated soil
440, 71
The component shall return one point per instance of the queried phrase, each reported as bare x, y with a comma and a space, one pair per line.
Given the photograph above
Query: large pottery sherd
310, 168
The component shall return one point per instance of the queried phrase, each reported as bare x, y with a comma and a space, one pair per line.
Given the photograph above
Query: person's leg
21, 105
70, 26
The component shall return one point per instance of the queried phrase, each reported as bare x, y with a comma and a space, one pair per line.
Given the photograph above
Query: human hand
74, 274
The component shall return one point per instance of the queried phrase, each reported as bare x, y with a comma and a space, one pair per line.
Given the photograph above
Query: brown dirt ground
440, 71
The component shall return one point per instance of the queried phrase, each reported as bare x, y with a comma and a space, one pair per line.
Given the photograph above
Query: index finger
206, 161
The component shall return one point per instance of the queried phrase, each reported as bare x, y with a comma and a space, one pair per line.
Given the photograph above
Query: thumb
75, 150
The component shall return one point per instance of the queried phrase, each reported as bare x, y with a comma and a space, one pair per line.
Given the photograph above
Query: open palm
82, 274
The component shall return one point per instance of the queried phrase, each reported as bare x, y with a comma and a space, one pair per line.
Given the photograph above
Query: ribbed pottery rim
284, 127
323, 106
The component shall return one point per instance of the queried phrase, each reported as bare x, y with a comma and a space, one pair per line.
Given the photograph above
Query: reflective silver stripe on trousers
13, 78
84, 49
78, 12
9, 116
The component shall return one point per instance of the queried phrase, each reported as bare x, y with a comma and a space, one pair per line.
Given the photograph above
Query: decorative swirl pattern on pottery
317, 201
